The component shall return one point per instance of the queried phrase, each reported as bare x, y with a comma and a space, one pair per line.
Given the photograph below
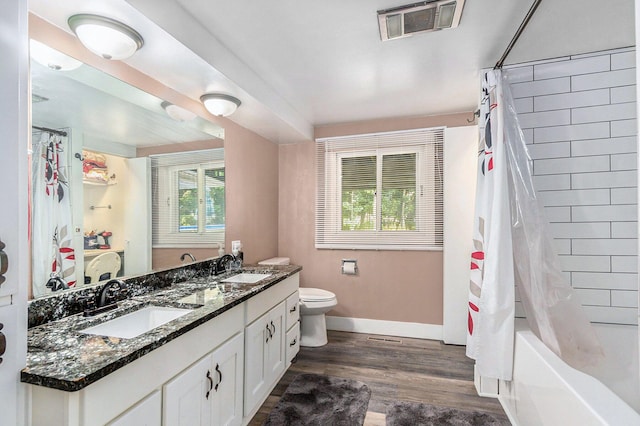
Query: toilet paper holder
349, 266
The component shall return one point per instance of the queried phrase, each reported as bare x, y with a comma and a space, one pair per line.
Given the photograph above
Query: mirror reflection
122, 181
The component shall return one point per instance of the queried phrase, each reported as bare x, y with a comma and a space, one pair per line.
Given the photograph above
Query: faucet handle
88, 303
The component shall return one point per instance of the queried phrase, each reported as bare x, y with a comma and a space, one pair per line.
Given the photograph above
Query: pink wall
391, 285
251, 195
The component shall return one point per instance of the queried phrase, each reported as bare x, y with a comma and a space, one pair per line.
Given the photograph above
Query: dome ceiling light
51, 58
220, 104
176, 112
106, 37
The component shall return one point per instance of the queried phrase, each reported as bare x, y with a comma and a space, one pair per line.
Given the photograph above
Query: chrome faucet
184, 256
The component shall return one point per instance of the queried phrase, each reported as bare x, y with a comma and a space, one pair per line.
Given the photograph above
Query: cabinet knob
293, 309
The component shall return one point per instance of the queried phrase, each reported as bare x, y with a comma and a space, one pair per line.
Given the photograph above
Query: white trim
376, 247
387, 328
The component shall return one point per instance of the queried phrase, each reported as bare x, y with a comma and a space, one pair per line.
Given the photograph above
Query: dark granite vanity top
61, 357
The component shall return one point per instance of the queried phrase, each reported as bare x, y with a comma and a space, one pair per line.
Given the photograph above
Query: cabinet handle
293, 309
3, 342
210, 383
293, 342
274, 327
4, 262
219, 376
269, 333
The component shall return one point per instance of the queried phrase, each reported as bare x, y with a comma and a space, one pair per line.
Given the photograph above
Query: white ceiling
296, 64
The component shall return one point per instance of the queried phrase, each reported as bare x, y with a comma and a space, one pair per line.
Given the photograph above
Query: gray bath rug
403, 413
317, 400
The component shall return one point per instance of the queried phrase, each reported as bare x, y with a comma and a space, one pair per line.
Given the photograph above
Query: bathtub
546, 391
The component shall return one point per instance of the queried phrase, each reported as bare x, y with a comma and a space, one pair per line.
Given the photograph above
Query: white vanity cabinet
146, 413
244, 351
265, 358
210, 391
265, 342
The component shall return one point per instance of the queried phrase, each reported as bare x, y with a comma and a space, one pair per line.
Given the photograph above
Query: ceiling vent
426, 16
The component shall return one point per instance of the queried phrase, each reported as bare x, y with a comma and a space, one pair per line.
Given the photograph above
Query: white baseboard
387, 328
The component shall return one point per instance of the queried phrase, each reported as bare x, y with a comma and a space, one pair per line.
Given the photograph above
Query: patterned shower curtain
491, 293
52, 237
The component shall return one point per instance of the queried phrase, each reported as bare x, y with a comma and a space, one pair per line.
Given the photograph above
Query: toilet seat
315, 294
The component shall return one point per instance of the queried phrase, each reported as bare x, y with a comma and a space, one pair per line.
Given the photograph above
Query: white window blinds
380, 191
188, 198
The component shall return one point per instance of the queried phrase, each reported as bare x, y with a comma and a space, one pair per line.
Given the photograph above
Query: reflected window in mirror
188, 198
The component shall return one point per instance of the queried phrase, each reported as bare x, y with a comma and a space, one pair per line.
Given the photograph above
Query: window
188, 198
380, 191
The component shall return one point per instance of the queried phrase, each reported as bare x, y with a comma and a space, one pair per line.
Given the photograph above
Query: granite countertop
61, 357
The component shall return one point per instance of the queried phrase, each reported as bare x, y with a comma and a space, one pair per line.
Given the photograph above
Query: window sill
380, 247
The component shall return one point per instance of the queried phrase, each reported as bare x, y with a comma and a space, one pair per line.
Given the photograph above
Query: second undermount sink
136, 323
245, 278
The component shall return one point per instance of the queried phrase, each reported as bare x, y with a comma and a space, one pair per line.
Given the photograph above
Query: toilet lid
315, 294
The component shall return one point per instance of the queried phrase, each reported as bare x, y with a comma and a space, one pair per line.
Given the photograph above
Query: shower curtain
491, 287
513, 247
51, 237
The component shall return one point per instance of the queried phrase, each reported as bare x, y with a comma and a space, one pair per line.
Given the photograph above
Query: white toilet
314, 303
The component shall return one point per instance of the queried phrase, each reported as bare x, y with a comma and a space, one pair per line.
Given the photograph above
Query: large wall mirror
111, 172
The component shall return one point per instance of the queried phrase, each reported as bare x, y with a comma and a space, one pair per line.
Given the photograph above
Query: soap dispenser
236, 250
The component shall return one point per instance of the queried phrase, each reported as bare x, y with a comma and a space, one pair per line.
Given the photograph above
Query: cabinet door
257, 338
276, 352
184, 397
227, 369
146, 413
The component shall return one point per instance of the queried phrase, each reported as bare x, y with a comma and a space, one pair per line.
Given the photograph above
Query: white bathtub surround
492, 286
578, 116
546, 391
552, 309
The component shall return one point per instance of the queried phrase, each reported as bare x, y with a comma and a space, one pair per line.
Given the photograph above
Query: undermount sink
137, 323
245, 278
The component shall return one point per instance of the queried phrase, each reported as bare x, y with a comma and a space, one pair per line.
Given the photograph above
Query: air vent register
431, 15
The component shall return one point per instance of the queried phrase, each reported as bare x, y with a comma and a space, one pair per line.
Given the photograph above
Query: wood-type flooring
396, 369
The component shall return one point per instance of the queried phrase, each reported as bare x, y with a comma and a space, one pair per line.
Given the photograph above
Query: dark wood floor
394, 369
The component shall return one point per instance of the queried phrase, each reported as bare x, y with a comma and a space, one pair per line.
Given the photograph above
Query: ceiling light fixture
176, 112
220, 104
51, 58
106, 37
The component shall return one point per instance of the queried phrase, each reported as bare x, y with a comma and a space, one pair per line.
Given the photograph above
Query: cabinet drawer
293, 310
293, 342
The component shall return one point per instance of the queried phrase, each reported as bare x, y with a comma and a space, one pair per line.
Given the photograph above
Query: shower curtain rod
46, 129
516, 36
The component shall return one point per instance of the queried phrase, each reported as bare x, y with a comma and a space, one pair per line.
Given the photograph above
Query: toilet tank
275, 261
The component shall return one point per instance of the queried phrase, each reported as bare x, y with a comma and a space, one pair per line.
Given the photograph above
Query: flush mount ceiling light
220, 104
425, 16
51, 58
106, 37
177, 113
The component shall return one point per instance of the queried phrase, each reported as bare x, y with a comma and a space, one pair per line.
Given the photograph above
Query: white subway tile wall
578, 116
